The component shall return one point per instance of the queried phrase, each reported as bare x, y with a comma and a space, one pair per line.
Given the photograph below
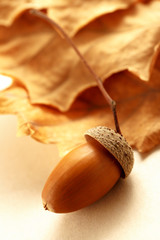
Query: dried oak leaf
137, 103
10, 9
33, 53
62, 10
74, 15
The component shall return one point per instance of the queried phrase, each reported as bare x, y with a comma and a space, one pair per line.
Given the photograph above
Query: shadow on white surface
100, 220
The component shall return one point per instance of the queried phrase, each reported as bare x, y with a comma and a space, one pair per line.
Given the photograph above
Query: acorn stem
100, 85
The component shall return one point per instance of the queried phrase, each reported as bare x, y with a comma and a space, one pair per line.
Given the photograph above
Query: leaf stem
63, 34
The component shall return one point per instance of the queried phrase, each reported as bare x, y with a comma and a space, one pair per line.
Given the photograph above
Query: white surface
130, 211
5, 82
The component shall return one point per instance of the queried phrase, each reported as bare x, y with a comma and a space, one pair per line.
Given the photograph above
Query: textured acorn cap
116, 144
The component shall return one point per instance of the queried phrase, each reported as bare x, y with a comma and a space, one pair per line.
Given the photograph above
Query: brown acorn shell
116, 144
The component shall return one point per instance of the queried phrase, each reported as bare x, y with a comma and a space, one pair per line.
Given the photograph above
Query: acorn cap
116, 144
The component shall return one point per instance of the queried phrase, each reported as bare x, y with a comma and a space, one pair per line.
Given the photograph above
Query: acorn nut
88, 172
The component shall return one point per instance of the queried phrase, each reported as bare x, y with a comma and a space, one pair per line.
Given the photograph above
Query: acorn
88, 172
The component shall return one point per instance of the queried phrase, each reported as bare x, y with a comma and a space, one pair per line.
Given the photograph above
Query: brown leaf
74, 15
19, 43
10, 9
50, 70
62, 11
138, 110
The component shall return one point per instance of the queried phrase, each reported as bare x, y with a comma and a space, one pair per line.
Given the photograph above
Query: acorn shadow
99, 220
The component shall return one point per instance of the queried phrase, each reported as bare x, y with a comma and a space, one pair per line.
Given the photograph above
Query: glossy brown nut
82, 177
